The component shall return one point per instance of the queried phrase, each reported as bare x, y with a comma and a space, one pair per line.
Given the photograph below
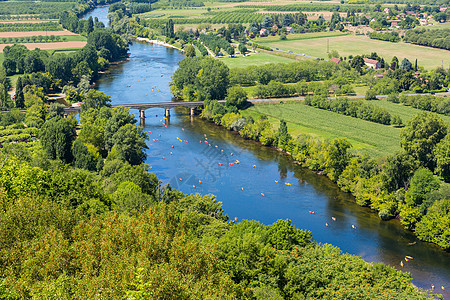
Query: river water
145, 78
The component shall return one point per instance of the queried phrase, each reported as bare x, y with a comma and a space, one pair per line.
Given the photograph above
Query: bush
371, 95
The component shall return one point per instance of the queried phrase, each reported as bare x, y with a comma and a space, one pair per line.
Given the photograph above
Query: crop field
34, 8
405, 112
366, 137
35, 33
300, 36
49, 46
427, 57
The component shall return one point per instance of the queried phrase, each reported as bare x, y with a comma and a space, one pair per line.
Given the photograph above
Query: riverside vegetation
82, 217
401, 185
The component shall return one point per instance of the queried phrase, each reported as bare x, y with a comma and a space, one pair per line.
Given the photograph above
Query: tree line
436, 38
401, 185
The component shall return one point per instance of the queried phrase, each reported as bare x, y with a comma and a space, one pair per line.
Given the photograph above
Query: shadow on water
240, 186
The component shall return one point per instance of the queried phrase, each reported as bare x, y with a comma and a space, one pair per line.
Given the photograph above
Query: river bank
374, 240
157, 43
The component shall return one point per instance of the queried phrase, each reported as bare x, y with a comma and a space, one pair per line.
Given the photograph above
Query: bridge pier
142, 116
192, 110
167, 112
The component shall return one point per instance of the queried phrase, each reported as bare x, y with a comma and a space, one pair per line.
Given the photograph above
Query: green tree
283, 137
189, 50
120, 117
95, 99
129, 142
397, 171
422, 183
421, 135
337, 157
56, 136
282, 235
236, 96
82, 158
406, 65
442, 156
19, 99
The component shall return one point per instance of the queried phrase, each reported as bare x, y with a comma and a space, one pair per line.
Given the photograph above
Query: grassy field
260, 58
405, 112
427, 57
366, 137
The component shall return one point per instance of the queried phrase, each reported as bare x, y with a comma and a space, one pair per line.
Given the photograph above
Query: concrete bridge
142, 107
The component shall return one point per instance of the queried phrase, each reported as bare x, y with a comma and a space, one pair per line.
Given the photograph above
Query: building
290, 29
423, 22
264, 32
394, 23
372, 63
386, 10
335, 60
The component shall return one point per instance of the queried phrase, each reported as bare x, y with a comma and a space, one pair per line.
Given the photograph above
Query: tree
82, 158
242, 48
19, 99
283, 136
442, 155
267, 22
56, 109
170, 29
189, 50
394, 63
89, 26
121, 117
406, 65
396, 121
422, 183
421, 135
129, 142
397, 171
337, 157
287, 20
56, 136
236, 96
95, 99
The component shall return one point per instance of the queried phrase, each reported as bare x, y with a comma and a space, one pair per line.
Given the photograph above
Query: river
145, 78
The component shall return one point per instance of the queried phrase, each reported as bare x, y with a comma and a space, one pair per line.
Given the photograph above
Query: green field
405, 112
427, 57
260, 58
366, 137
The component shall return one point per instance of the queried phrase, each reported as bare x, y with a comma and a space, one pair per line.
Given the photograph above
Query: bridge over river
142, 107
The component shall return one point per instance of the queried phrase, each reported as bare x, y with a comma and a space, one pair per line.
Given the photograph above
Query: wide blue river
193, 167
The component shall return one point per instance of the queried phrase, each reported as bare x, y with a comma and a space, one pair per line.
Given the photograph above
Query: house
264, 32
203, 31
394, 23
378, 75
423, 22
386, 10
372, 63
335, 60
275, 27
290, 29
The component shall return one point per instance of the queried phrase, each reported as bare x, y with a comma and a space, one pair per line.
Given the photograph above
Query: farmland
366, 137
347, 45
405, 112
